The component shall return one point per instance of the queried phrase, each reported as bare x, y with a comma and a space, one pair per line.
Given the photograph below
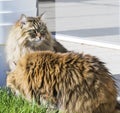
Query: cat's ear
23, 19
42, 16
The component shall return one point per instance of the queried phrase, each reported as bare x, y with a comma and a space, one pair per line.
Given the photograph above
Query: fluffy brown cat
70, 82
29, 34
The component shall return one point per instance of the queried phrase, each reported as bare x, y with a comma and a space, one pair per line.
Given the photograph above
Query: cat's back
69, 59
50, 56
39, 58
86, 66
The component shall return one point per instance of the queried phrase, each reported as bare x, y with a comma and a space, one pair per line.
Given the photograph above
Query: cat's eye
42, 32
42, 28
32, 33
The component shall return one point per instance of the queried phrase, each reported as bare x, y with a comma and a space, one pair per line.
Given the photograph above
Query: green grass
12, 104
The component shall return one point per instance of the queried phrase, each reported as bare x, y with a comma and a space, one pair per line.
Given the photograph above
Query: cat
27, 35
70, 82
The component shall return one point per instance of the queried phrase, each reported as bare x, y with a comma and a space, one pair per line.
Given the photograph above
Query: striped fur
70, 82
29, 34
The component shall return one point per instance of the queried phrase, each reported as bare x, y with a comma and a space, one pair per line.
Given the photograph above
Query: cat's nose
38, 34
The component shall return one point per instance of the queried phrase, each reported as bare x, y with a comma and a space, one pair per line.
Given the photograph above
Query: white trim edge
86, 41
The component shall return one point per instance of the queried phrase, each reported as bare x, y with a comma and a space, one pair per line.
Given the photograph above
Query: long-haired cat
70, 82
29, 34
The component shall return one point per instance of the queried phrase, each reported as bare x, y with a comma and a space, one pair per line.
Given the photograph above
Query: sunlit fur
29, 34
70, 82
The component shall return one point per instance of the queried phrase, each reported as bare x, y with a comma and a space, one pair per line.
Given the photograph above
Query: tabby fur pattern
29, 34
70, 82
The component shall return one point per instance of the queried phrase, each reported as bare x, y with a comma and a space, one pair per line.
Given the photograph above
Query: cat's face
32, 30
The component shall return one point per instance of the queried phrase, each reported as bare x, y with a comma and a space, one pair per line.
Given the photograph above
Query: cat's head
30, 30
